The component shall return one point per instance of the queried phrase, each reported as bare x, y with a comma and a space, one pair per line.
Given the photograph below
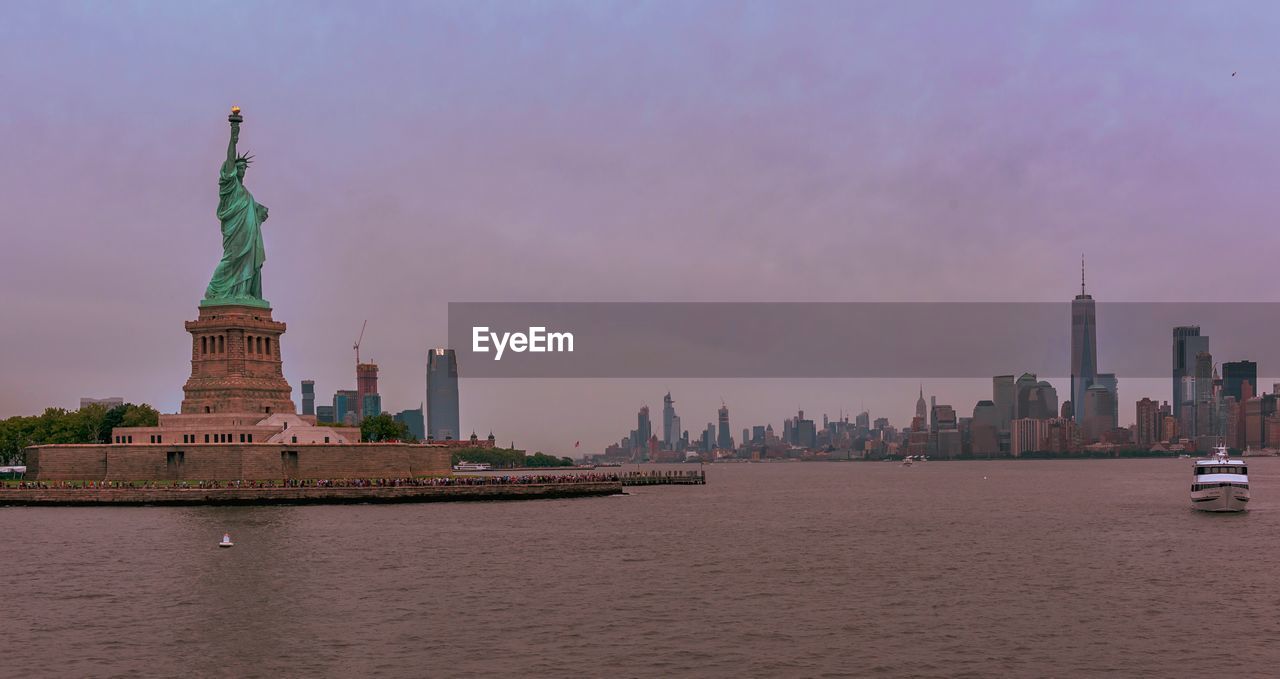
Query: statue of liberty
238, 277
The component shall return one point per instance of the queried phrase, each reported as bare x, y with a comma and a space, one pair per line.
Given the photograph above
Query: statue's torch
235, 118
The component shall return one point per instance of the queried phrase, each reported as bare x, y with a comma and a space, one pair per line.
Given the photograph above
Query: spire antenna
1082, 273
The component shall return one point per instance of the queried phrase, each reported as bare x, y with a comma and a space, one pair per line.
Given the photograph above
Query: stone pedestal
235, 363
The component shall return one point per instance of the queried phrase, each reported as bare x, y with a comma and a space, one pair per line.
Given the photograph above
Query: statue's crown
244, 158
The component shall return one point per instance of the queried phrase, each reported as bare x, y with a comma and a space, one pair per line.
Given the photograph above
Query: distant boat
1220, 484
465, 466
226, 541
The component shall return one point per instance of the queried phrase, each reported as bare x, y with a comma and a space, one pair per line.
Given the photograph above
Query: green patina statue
238, 277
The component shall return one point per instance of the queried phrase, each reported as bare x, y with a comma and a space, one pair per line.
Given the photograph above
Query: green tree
540, 459
139, 416
112, 419
15, 434
93, 420
385, 428
91, 424
499, 458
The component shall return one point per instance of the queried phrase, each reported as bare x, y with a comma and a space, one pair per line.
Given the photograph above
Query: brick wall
259, 496
234, 461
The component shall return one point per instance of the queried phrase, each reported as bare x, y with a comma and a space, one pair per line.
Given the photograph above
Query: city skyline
819, 158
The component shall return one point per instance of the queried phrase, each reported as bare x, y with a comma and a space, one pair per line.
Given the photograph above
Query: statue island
237, 418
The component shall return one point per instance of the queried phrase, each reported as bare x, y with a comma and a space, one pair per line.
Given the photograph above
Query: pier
664, 478
124, 495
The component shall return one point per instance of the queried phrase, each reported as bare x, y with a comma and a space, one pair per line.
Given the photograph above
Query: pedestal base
235, 362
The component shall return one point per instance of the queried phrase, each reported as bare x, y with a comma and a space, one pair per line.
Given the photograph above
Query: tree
499, 458
139, 416
91, 424
385, 428
541, 459
507, 458
93, 420
112, 419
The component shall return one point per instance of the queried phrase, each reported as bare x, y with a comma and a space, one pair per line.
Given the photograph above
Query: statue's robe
239, 274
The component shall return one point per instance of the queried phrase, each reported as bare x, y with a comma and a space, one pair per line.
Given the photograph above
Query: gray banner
840, 339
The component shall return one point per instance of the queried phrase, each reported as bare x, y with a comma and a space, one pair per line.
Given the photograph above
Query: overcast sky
414, 154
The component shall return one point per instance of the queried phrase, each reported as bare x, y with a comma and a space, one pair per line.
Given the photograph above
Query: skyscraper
1004, 394
724, 440
1109, 382
366, 384
370, 405
806, 433
1203, 422
308, 397
1026, 436
1084, 345
644, 429
1022, 390
1187, 342
1147, 425
1234, 375
1036, 399
1098, 406
414, 421
442, 395
344, 407
670, 432
983, 429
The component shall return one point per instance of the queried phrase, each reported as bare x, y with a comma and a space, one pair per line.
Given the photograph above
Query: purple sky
414, 154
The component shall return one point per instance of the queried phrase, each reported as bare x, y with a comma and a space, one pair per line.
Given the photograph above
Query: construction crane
358, 340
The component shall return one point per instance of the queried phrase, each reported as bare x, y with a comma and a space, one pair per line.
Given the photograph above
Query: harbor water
942, 569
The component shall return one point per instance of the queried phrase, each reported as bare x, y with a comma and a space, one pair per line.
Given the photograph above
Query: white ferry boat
1220, 484
465, 466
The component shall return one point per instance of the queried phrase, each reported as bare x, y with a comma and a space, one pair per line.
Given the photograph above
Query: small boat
1220, 484
226, 541
465, 466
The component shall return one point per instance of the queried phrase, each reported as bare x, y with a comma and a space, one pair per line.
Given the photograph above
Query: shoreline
138, 497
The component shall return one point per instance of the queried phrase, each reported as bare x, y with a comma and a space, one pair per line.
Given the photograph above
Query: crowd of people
477, 480
665, 474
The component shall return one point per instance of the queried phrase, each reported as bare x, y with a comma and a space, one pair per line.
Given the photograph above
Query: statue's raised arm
230, 165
